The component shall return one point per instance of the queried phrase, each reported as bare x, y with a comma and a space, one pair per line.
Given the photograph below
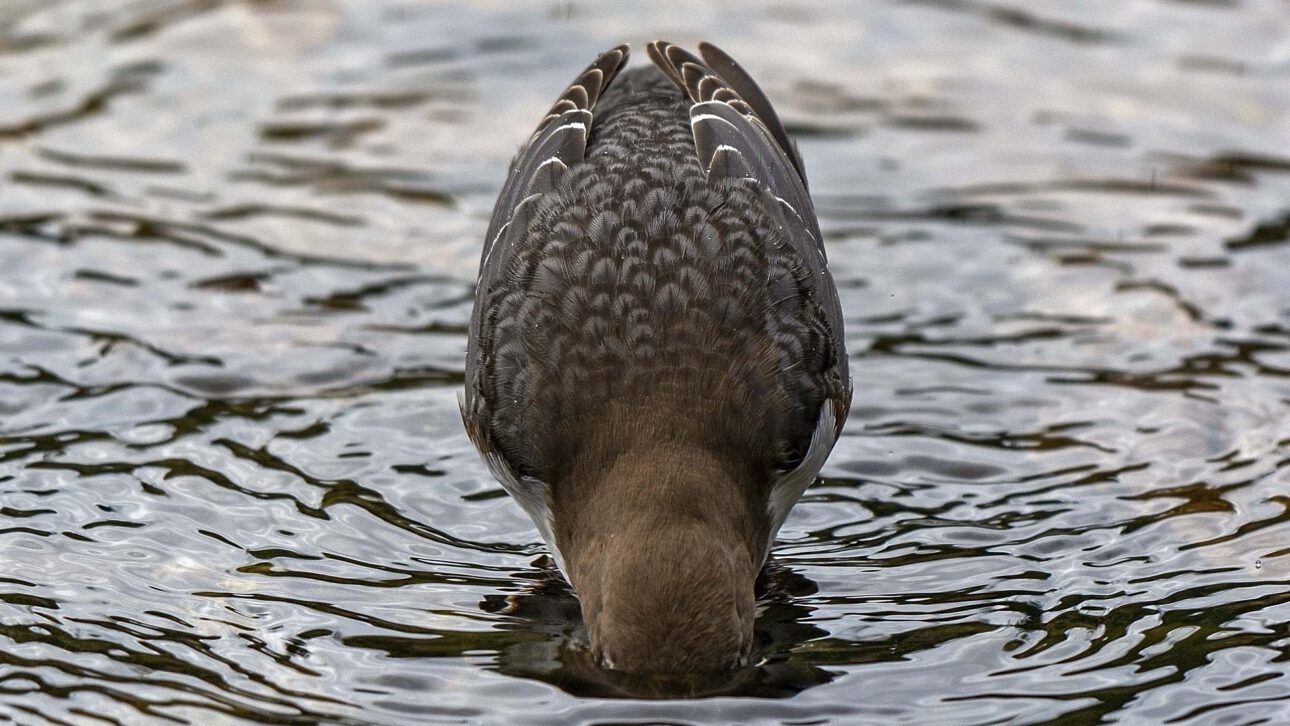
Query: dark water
237, 244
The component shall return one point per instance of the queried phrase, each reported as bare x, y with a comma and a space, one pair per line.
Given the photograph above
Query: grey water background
237, 246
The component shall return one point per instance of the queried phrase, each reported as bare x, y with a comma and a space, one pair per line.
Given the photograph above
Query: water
237, 247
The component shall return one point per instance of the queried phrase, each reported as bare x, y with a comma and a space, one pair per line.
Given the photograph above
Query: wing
736, 131
748, 90
559, 142
738, 135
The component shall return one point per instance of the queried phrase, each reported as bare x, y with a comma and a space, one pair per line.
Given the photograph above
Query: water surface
237, 247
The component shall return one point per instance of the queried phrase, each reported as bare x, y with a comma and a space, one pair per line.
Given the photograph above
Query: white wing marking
530, 493
788, 488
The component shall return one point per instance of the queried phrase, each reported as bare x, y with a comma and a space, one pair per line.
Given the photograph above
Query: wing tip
732, 85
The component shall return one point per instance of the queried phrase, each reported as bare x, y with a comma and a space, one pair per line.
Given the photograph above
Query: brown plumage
656, 368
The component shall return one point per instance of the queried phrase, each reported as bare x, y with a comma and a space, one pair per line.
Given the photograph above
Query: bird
656, 366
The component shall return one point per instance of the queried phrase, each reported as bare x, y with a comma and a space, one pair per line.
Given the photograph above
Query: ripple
239, 246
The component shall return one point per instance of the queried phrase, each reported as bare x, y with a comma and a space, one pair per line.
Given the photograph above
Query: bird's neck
663, 542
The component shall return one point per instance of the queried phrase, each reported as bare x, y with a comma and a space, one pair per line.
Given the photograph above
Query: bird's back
645, 301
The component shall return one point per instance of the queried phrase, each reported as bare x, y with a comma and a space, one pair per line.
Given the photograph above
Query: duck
656, 367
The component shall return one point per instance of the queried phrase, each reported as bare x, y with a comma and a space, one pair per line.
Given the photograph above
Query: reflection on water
237, 246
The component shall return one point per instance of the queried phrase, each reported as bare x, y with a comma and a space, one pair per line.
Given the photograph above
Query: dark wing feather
559, 142
738, 135
723, 117
747, 89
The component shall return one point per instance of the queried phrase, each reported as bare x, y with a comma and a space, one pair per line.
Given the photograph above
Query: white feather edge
789, 486
530, 494
701, 117
492, 246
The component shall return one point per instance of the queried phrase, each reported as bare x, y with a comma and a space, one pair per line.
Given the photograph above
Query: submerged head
669, 601
663, 552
